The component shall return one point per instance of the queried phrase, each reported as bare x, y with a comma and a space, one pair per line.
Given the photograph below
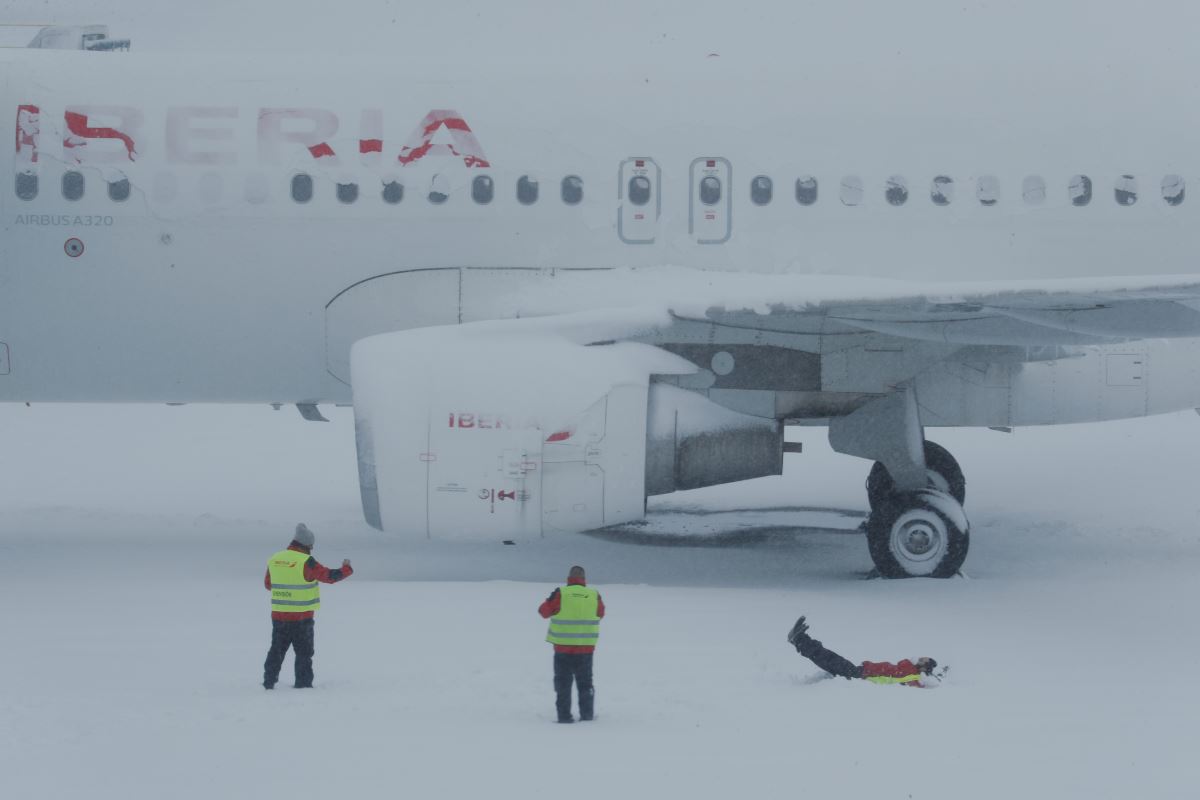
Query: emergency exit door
640, 202
710, 211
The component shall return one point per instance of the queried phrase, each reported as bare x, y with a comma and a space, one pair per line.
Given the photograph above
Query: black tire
944, 475
918, 534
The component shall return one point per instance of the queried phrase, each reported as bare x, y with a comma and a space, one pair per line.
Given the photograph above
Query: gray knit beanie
304, 536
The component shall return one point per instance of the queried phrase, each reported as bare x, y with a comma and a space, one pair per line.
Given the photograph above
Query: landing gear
918, 534
941, 470
917, 526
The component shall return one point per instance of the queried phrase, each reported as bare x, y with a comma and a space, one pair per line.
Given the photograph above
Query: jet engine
508, 431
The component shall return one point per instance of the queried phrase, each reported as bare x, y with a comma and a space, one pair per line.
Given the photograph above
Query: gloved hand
799, 631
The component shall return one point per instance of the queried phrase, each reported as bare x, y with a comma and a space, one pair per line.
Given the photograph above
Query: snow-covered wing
1058, 312
1032, 317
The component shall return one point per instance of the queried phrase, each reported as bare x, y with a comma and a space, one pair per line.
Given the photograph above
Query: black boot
798, 632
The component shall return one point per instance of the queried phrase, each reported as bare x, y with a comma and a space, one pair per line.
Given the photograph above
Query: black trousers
298, 636
575, 667
826, 659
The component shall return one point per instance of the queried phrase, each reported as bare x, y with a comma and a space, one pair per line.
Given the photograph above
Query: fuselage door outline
710, 206
639, 182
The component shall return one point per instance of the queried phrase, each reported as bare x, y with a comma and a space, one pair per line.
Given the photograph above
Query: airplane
551, 297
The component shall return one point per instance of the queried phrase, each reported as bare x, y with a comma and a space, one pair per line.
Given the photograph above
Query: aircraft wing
1032, 317
1060, 312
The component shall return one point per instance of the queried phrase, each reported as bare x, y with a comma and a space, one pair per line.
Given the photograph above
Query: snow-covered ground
135, 623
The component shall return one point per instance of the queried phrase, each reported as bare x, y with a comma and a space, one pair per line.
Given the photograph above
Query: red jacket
553, 604
313, 571
886, 669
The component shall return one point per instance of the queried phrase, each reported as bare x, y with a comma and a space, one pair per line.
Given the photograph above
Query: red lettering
183, 134
485, 421
206, 135
370, 136
82, 134
311, 128
464, 144
28, 133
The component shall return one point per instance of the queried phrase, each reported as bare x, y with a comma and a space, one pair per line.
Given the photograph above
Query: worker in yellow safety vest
293, 579
574, 612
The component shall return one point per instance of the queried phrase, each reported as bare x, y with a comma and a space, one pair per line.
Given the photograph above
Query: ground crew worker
574, 612
903, 672
292, 578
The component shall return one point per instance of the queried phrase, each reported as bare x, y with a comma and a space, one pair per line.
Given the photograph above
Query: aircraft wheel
942, 470
918, 534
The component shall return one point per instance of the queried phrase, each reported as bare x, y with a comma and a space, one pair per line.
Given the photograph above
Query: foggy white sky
956, 31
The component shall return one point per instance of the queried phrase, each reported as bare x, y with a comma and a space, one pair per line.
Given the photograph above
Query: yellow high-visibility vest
576, 622
886, 679
289, 590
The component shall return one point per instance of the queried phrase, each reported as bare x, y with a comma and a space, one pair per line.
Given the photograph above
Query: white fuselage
212, 282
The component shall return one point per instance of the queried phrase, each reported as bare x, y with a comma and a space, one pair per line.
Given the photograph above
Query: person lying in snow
905, 672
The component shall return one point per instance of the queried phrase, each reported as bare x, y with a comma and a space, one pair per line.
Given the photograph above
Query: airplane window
302, 188
710, 190
482, 189
572, 189
1079, 189
347, 192
761, 190
806, 190
118, 191
1033, 190
393, 192
27, 185
639, 190
1125, 190
1172, 189
527, 190
72, 185
941, 191
987, 189
439, 190
896, 192
852, 190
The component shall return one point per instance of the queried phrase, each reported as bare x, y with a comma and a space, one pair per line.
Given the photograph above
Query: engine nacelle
489, 432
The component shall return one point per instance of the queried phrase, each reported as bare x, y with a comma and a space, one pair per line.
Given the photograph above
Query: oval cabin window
806, 190
896, 191
1079, 190
941, 191
761, 190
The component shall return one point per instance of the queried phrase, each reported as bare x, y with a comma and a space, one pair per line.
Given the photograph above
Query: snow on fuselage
224, 205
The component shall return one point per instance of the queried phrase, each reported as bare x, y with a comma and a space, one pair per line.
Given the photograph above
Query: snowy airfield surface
135, 625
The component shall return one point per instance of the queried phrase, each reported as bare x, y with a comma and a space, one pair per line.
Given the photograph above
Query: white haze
134, 537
